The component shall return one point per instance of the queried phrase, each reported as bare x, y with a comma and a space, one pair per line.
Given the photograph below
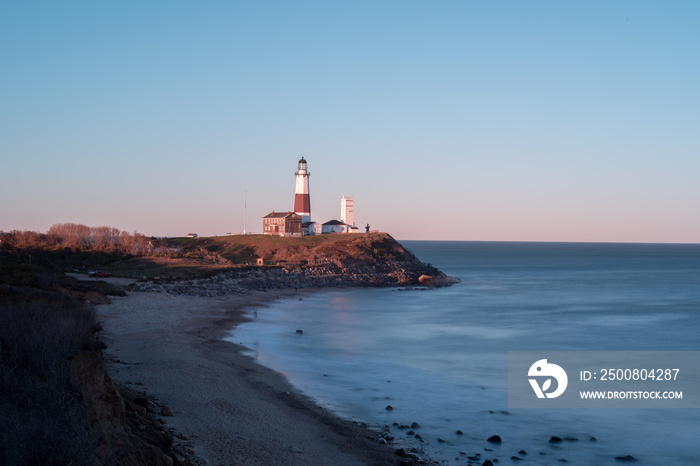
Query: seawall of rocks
243, 280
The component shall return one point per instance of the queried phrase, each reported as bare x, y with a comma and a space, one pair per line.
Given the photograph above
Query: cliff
57, 400
122, 422
310, 262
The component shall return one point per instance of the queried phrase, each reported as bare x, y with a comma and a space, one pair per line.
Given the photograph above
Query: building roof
302, 160
307, 224
334, 222
274, 214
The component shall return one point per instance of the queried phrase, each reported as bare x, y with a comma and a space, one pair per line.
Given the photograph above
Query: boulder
494, 439
425, 280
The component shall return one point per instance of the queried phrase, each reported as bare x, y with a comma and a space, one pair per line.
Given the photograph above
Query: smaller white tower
347, 211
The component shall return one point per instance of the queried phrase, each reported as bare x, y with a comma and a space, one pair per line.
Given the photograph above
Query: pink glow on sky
454, 121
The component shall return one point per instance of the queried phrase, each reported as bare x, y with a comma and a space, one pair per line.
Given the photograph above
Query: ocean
439, 357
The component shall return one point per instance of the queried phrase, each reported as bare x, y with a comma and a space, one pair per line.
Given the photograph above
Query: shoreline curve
230, 409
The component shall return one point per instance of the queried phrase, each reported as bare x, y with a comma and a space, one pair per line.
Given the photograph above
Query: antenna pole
245, 208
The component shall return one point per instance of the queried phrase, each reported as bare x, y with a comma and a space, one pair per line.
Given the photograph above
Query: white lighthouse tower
302, 201
347, 211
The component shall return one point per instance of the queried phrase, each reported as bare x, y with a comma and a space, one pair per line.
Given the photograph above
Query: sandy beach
229, 409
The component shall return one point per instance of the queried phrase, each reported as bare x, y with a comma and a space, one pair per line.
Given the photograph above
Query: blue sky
512, 120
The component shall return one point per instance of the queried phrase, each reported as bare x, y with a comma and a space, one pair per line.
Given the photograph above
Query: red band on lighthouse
302, 204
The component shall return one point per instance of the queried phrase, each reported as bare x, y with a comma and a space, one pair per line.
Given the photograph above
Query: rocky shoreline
246, 279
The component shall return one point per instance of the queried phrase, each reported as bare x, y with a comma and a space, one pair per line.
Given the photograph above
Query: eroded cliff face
58, 404
124, 429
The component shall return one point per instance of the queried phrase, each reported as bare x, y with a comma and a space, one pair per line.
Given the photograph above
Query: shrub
42, 416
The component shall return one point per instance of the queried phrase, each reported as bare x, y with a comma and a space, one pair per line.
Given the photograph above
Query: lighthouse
302, 202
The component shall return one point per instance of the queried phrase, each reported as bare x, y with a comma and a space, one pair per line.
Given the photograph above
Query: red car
102, 274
